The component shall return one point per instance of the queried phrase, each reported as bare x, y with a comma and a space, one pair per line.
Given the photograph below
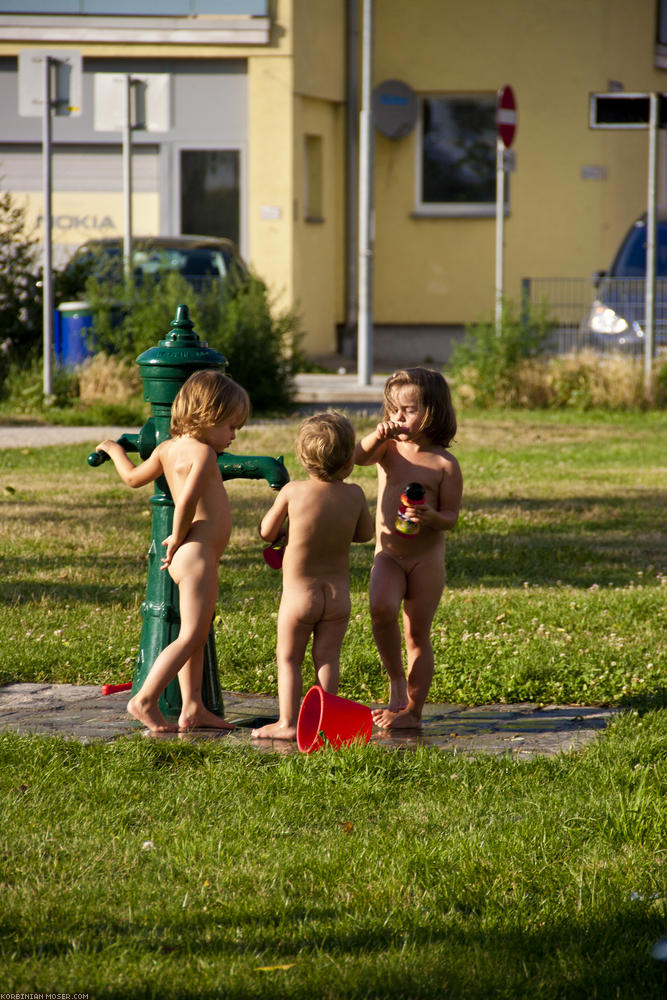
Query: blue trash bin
70, 335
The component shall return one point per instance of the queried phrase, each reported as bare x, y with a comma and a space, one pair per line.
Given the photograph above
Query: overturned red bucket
329, 719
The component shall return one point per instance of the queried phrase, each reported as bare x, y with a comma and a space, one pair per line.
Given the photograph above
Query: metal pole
649, 304
47, 269
352, 175
127, 178
500, 220
365, 317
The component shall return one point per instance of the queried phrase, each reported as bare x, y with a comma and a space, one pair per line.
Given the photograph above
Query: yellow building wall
318, 240
318, 28
554, 54
319, 92
271, 175
295, 90
106, 208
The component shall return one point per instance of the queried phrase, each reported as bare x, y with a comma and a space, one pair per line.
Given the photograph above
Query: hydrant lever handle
97, 458
127, 441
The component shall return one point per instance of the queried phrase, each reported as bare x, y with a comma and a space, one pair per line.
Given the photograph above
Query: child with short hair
325, 516
410, 445
205, 415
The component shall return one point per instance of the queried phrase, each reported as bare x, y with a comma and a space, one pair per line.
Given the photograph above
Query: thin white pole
127, 178
47, 268
365, 276
500, 220
649, 303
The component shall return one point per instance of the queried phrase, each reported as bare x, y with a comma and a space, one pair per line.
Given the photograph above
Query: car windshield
631, 259
196, 262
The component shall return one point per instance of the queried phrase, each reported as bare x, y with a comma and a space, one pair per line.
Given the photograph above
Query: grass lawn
145, 869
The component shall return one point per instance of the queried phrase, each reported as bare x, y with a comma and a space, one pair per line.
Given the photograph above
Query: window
662, 23
210, 192
457, 156
313, 204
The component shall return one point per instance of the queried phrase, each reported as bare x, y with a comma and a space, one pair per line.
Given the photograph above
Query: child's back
323, 519
324, 515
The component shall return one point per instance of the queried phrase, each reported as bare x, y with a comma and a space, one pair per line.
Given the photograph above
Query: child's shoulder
445, 459
186, 449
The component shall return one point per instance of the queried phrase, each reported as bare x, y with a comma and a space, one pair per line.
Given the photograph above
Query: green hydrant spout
254, 467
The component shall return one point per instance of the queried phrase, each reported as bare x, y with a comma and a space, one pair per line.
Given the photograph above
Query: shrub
512, 369
20, 293
485, 365
659, 385
24, 387
586, 380
108, 380
234, 317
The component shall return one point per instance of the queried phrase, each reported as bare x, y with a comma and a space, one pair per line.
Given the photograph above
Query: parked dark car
616, 319
199, 259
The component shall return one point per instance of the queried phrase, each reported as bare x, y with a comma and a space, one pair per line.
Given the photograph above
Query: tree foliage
20, 292
235, 317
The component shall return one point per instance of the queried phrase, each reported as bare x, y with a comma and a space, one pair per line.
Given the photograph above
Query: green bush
24, 387
511, 368
660, 383
262, 349
486, 362
20, 293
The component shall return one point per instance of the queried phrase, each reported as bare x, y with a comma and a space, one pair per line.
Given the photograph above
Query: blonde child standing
205, 415
410, 445
325, 516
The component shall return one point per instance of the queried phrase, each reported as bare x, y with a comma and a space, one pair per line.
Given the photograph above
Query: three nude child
321, 517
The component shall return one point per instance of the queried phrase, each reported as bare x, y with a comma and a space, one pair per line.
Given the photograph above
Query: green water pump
164, 368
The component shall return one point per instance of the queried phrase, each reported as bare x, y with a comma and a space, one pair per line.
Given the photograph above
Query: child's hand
424, 514
105, 446
390, 429
169, 555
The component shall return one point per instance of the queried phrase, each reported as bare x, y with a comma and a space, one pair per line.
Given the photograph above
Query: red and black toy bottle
412, 496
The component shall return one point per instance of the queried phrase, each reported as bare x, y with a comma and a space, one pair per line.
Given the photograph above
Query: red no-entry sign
506, 115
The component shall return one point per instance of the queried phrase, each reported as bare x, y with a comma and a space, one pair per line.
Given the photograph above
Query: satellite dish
394, 109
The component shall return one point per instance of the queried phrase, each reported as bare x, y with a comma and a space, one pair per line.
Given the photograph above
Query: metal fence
617, 320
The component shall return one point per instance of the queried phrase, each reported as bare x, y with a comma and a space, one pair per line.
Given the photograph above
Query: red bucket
328, 718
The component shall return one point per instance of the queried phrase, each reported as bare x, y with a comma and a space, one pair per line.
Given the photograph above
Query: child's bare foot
275, 731
150, 716
384, 718
199, 717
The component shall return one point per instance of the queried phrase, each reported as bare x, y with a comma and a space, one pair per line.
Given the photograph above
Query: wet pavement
82, 712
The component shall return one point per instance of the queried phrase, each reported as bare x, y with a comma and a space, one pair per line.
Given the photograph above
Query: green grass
145, 869
556, 570
150, 869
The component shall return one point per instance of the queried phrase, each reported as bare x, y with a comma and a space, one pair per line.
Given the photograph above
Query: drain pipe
365, 323
351, 177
